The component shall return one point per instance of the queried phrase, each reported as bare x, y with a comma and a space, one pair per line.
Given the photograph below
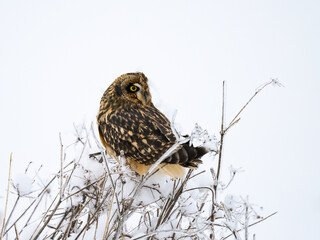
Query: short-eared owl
129, 121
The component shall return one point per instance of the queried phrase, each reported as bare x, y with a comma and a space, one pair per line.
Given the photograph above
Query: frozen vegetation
95, 197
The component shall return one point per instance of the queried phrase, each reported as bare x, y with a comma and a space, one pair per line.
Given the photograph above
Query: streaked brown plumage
129, 121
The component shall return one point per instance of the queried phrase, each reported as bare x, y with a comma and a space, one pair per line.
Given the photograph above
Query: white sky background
58, 57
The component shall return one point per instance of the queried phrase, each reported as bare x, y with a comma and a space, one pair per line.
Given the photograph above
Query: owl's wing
143, 134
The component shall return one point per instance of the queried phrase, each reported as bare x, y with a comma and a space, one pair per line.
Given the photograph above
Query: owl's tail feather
187, 156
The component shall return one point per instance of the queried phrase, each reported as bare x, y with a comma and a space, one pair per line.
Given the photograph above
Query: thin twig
216, 181
222, 132
259, 89
7, 197
246, 221
48, 220
13, 208
72, 218
197, 188
230, 180
60, 223
85, 187
112, 183
16, 231
90, 219
61, 167
231, 124
108, 217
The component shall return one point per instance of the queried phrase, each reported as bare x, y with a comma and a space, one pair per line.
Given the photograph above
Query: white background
58, 57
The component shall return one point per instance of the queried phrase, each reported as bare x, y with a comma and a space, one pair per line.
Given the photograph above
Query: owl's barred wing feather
146, 138
143, 136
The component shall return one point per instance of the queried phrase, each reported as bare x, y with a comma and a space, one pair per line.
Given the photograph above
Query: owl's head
133, 87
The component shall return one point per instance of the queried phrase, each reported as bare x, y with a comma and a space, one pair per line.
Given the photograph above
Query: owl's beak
143, 97
146, 97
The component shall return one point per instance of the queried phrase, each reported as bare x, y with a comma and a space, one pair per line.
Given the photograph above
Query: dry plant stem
61, 165
231, 124
95, 231
113, 227
222, 132
67, 231
60, 223
234, 121
89, 222
112, 183
6, 206
48, 220
13, 208
108, 217
215, 185
194, 175
43, 219
93, 215
234, 233
73, 216
75, 212
252, 224
246, 223
16, 231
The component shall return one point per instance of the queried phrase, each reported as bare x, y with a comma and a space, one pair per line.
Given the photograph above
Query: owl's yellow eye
133, 88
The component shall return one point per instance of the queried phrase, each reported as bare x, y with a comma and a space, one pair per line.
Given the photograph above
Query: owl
129, 123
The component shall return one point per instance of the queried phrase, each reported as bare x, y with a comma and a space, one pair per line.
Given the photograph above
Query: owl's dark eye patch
132, 88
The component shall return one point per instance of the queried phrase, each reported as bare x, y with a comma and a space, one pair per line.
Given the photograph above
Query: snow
23, 183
